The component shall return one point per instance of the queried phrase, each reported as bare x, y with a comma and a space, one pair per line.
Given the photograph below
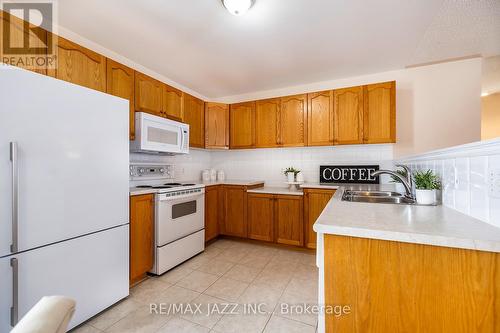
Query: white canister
290, 177
205, 175
213, 175
221, 176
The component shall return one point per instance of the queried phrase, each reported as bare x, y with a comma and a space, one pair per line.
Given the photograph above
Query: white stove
179, 215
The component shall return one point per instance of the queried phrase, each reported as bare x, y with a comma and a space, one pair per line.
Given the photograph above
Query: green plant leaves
426, 180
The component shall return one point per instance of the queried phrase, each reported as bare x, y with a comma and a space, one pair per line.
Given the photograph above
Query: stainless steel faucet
407, 181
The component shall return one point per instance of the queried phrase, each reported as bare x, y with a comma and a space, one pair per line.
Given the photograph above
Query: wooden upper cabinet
79, 65
141, 236
293, 121
289, 226
261, 216
216, 125
242, 125
348, 115
234, 221
173, 103
380, 113
315, 201
148, 94
120, 82
320, 118
194, 115
266, 122
18, 36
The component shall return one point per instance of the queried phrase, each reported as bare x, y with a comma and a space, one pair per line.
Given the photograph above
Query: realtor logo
28, 36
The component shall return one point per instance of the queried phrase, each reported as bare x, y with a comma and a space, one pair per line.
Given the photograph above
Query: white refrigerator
64, 155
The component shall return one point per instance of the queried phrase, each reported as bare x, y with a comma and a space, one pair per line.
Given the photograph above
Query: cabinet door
141, 236
293, 121
235, 211
315, 202
79, 65
120, 82
148, 95
216, 125
17, 37
266, 122
260, 216
348, 116
242, 125
173, 103
211, 212
289, 226
380, 113
194, 115
320, 118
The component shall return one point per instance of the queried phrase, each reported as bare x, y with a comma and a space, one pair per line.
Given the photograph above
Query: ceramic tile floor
228, 274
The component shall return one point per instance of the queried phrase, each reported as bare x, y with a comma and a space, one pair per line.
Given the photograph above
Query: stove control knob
141, 170
162, 170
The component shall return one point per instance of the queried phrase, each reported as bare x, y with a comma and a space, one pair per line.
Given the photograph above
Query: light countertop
275, 190
321, 186
140, 191
430, 225
237, 182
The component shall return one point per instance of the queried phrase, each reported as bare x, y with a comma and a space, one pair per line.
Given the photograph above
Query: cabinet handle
14, 310
15, 196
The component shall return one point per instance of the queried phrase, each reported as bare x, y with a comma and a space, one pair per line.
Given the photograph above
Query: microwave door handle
182, 140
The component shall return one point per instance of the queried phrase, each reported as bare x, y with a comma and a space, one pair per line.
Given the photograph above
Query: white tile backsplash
465, 173
268, 164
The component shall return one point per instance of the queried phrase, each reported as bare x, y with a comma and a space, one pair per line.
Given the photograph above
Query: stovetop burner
188, 184
162, 186
144, 186
173, 184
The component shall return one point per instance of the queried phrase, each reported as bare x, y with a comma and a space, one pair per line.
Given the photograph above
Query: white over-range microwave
158, 135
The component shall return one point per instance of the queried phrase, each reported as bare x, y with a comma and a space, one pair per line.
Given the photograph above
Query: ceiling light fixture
238, 7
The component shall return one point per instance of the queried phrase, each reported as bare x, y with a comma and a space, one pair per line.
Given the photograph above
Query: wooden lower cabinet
403, 287
212, 211
315, 201
235, 211
289, 226
261, 216
141, 236
276, 218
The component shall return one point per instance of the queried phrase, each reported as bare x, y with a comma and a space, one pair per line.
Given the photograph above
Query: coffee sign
356, 174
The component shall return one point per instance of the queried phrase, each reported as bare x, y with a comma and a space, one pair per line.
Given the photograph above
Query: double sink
387, 197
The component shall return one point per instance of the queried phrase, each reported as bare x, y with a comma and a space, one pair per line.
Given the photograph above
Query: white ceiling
281, 43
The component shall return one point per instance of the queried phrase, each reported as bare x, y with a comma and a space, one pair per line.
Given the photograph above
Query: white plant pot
290, 177
426, 197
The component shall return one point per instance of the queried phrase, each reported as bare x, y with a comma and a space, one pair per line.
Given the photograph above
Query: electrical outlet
494, 183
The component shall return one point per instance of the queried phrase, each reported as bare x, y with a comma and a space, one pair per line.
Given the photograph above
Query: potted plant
290, 173
426, 183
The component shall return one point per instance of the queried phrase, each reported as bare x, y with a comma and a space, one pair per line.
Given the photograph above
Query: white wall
467, 175
437, 105
268, 164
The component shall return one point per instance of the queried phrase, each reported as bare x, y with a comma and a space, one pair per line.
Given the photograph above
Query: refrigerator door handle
14, 310
15, 196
